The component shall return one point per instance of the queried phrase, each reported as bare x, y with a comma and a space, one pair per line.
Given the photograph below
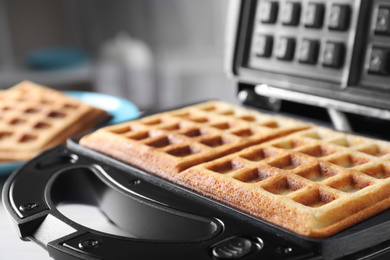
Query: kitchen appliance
286, 56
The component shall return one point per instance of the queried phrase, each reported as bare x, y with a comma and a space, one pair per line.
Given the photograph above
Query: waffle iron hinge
335, 108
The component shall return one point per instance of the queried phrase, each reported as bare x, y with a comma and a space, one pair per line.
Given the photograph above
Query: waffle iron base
165, 220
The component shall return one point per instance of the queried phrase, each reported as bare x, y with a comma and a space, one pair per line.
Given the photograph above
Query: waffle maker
286, 56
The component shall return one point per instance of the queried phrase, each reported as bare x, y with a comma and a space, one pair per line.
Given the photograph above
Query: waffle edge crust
308, 179
34, 118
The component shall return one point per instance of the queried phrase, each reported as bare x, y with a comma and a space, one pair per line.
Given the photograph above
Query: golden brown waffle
311, 180
170, 142
34, 118
315, 182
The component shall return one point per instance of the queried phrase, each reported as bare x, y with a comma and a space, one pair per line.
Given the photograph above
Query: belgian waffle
310, 180
315, 183
34, 118
170, 142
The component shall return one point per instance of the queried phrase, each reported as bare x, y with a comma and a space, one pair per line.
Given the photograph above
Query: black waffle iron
286, 56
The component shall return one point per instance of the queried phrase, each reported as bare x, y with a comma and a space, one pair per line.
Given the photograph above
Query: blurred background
155, 53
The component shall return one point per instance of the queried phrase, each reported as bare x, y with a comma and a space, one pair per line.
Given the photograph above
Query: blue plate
7, 168
120, 109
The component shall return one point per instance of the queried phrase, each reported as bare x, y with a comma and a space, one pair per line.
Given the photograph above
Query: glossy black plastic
167, 221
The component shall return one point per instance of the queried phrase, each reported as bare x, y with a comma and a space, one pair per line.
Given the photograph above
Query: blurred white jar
126, 69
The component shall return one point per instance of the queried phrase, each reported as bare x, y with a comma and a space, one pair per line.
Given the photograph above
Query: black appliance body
283, 55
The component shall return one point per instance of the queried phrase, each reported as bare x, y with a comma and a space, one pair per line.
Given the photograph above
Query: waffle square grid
34, 117
308, 179
320, 176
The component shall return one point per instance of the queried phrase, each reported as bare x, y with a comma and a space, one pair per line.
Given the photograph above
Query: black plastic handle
165, 221
60, 176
